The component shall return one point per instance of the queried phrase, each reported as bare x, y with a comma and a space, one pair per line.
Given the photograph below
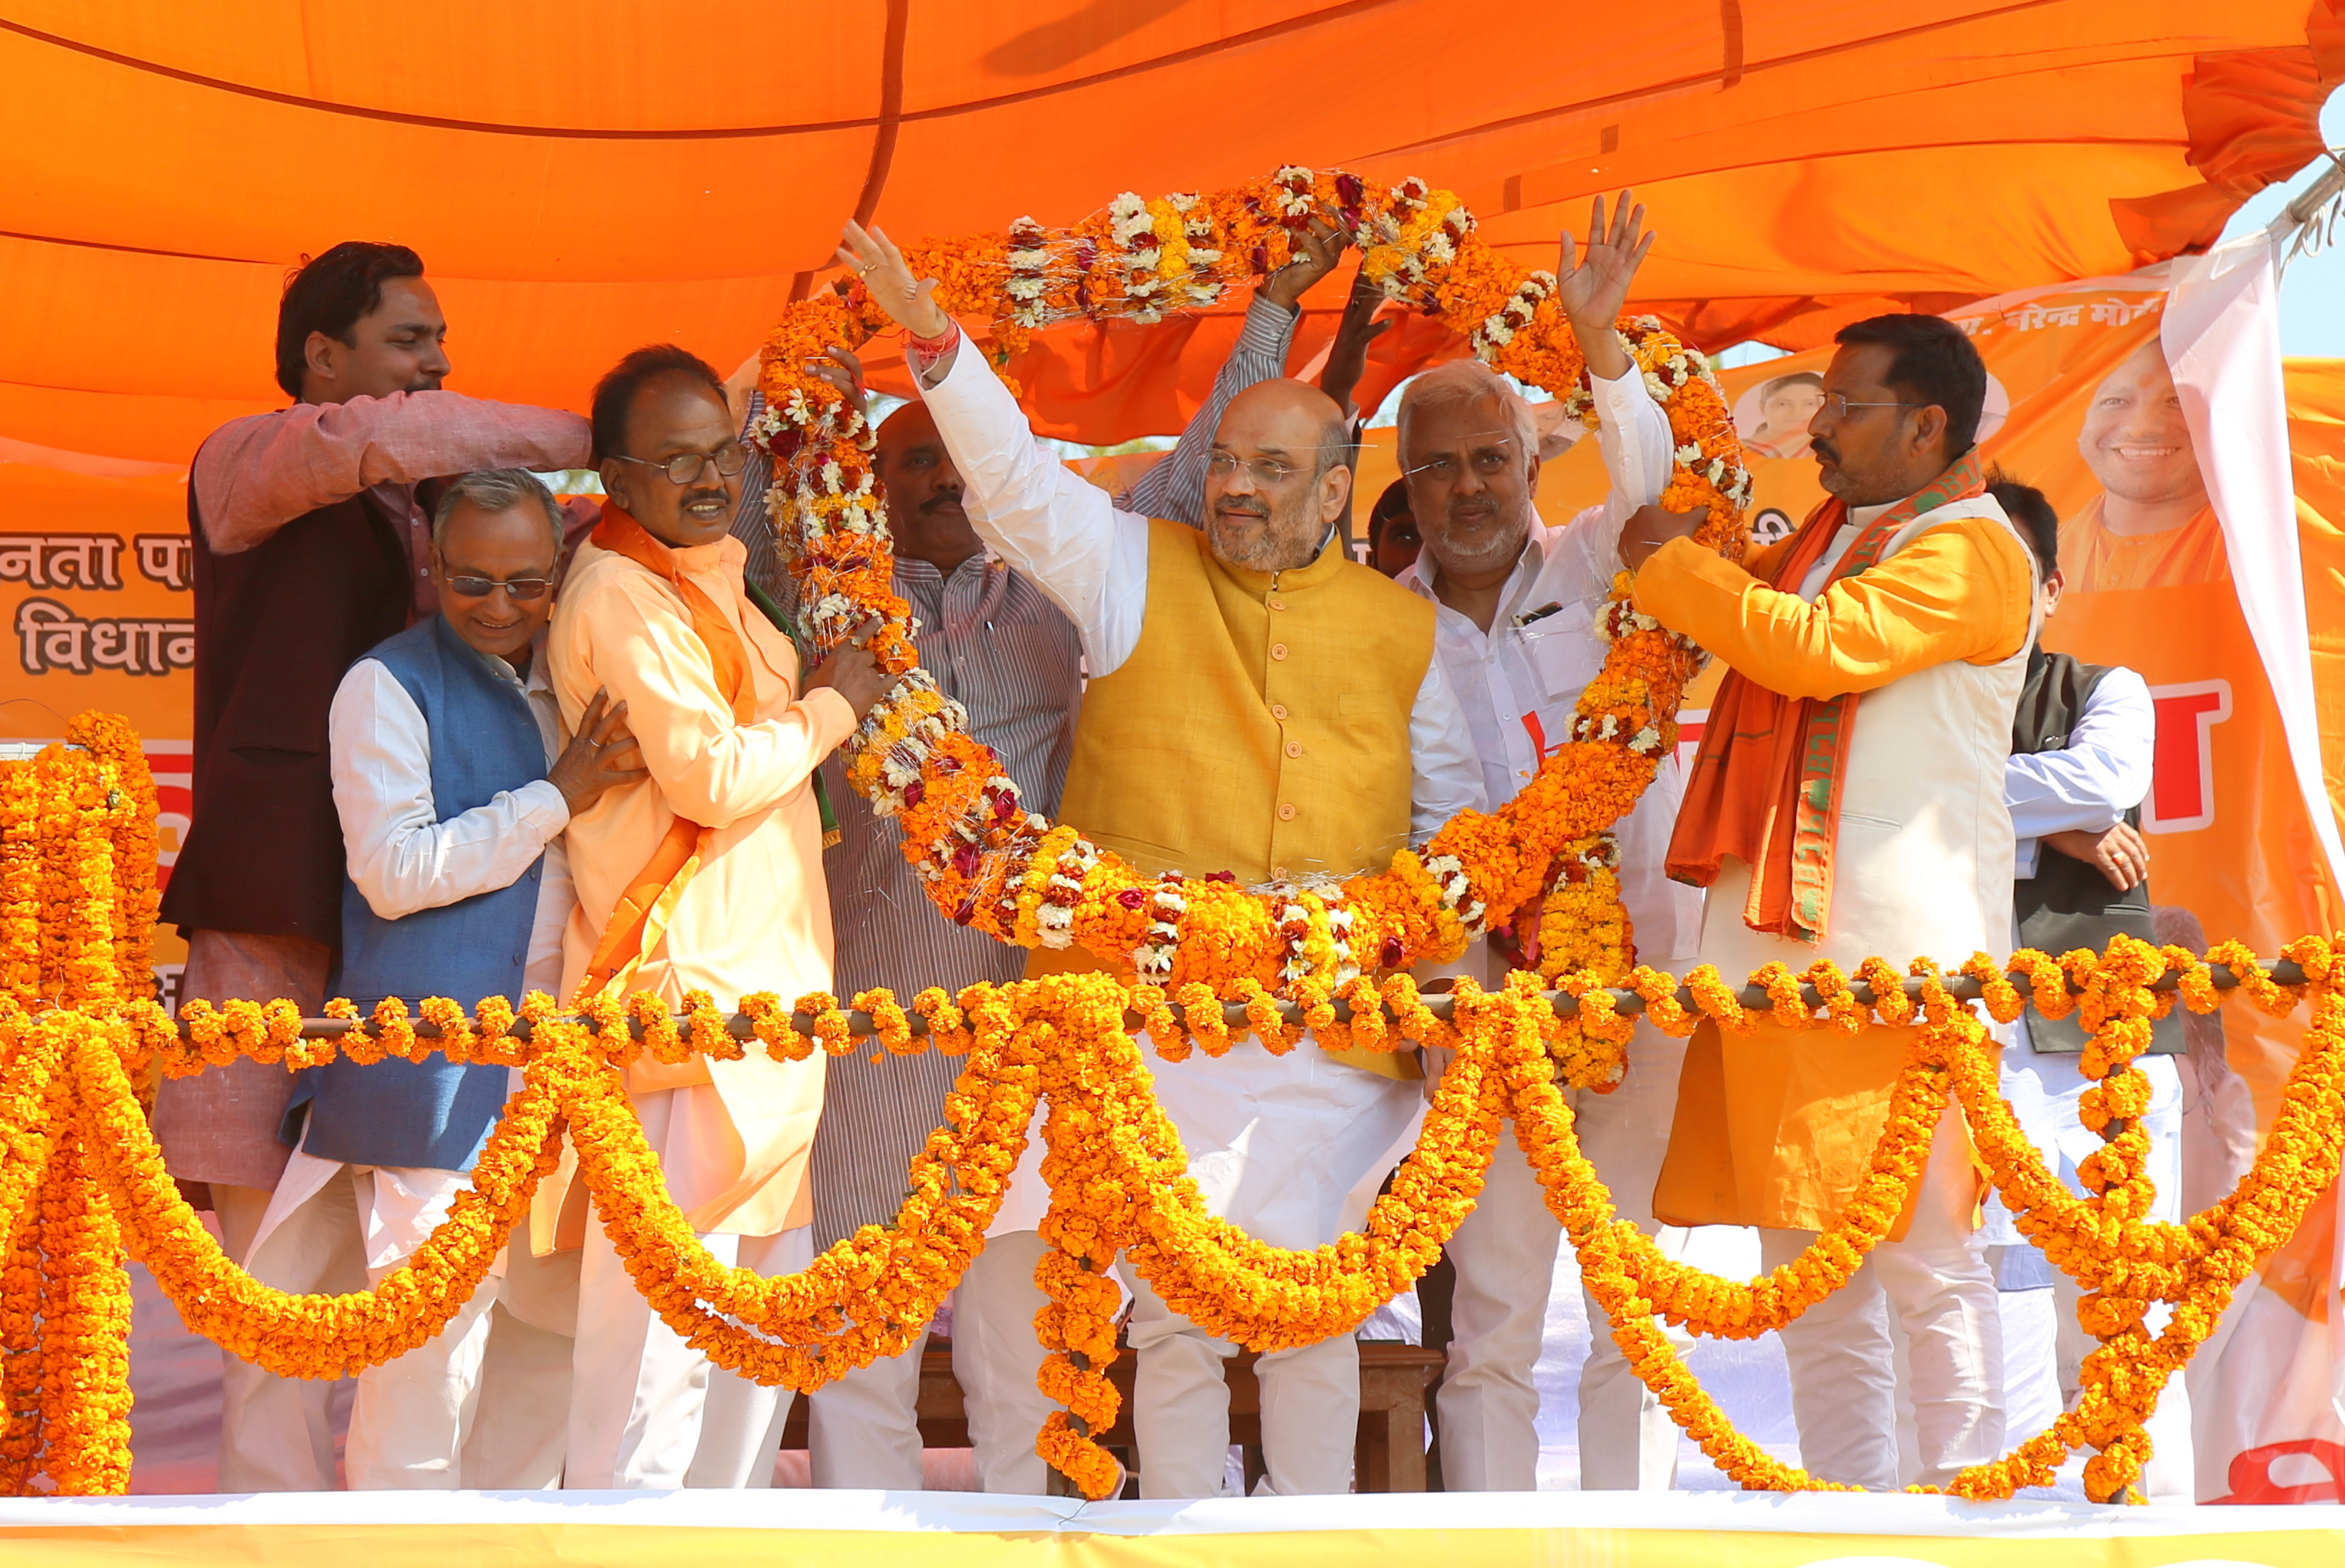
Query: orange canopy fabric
583, 176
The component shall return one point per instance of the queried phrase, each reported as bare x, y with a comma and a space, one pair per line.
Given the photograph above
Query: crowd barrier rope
84, 1185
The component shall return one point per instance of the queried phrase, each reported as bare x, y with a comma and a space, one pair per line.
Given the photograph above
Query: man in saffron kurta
721, 848
1847, 801
1258, 704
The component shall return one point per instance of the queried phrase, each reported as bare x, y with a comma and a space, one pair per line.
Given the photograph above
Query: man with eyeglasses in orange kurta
707, 876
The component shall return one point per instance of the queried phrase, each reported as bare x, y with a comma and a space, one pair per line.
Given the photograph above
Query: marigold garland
986, 862
1117, 1173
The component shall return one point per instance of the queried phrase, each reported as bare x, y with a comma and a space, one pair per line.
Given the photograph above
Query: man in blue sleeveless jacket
453, 801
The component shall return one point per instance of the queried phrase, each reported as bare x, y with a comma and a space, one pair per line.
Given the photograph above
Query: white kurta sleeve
1633, 439
1632, 436
2099, 775
1444, 774
401, 856
1090, 559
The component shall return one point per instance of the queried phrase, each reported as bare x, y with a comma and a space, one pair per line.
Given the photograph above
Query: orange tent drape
583, 176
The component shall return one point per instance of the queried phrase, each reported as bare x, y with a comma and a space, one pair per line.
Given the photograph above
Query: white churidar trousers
1505, 1257
863, 1431
1842, 1360
648, 1411
1291, 1148
338, 1228
276, 1433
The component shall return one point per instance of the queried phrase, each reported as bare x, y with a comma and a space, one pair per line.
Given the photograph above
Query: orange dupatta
642, 914
1765, 785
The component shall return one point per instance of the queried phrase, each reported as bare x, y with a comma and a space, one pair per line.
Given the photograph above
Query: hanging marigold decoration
990, 864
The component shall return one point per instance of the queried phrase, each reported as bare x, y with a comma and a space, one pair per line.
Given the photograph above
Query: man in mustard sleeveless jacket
1258, 704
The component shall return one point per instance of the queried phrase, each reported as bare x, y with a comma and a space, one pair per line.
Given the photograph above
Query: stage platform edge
886, 1529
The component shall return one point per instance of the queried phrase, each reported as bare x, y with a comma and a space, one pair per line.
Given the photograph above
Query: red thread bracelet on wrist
927, 351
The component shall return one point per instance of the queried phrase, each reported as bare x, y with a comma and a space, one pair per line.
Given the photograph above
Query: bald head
1280, 474
1294, 413
923, 490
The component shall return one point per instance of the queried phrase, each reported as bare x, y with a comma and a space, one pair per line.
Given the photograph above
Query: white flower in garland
1153, 959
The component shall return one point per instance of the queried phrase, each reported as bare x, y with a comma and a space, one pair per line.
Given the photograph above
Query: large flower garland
986, 862
82, 1177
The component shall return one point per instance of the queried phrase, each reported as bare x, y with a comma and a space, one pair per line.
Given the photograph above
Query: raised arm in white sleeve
1445, 771
1175, 488
2100, 775
402, 857
1632, 437
1058, 529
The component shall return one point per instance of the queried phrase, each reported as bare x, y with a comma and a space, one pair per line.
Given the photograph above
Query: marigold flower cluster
83, 1182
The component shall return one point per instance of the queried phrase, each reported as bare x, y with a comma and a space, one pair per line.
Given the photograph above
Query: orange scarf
1765, 786
642, 914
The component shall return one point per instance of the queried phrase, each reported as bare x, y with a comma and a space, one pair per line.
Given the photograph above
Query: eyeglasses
1837, 406
685, 467
520, 589
1486, 461
1269, 471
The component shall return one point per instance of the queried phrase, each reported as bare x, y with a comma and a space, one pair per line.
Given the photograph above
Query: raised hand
909, 302
842, 372
1593, 288
1314, 255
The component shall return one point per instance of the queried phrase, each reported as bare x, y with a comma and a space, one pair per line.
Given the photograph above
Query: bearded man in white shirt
453, 788
1258, 704
1514, 625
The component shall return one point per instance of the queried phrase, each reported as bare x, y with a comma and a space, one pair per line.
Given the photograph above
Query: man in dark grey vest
452, 789
2082, 742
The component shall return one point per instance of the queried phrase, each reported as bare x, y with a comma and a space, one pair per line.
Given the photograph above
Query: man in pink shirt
311, 548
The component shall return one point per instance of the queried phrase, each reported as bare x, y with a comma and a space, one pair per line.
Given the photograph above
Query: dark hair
614, 394
1932, 361
2038, 523
1392, 504
330, 295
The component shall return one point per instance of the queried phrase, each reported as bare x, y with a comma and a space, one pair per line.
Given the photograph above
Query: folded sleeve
712, 769
258, 474
1960, 591
2099, 775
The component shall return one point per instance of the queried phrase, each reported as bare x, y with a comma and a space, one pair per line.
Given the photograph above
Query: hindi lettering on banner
52, 637
168, 559
57, 560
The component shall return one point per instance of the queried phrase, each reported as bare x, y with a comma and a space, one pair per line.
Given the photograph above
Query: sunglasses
520, 589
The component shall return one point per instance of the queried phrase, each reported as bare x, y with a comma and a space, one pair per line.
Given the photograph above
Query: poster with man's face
2151, 525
